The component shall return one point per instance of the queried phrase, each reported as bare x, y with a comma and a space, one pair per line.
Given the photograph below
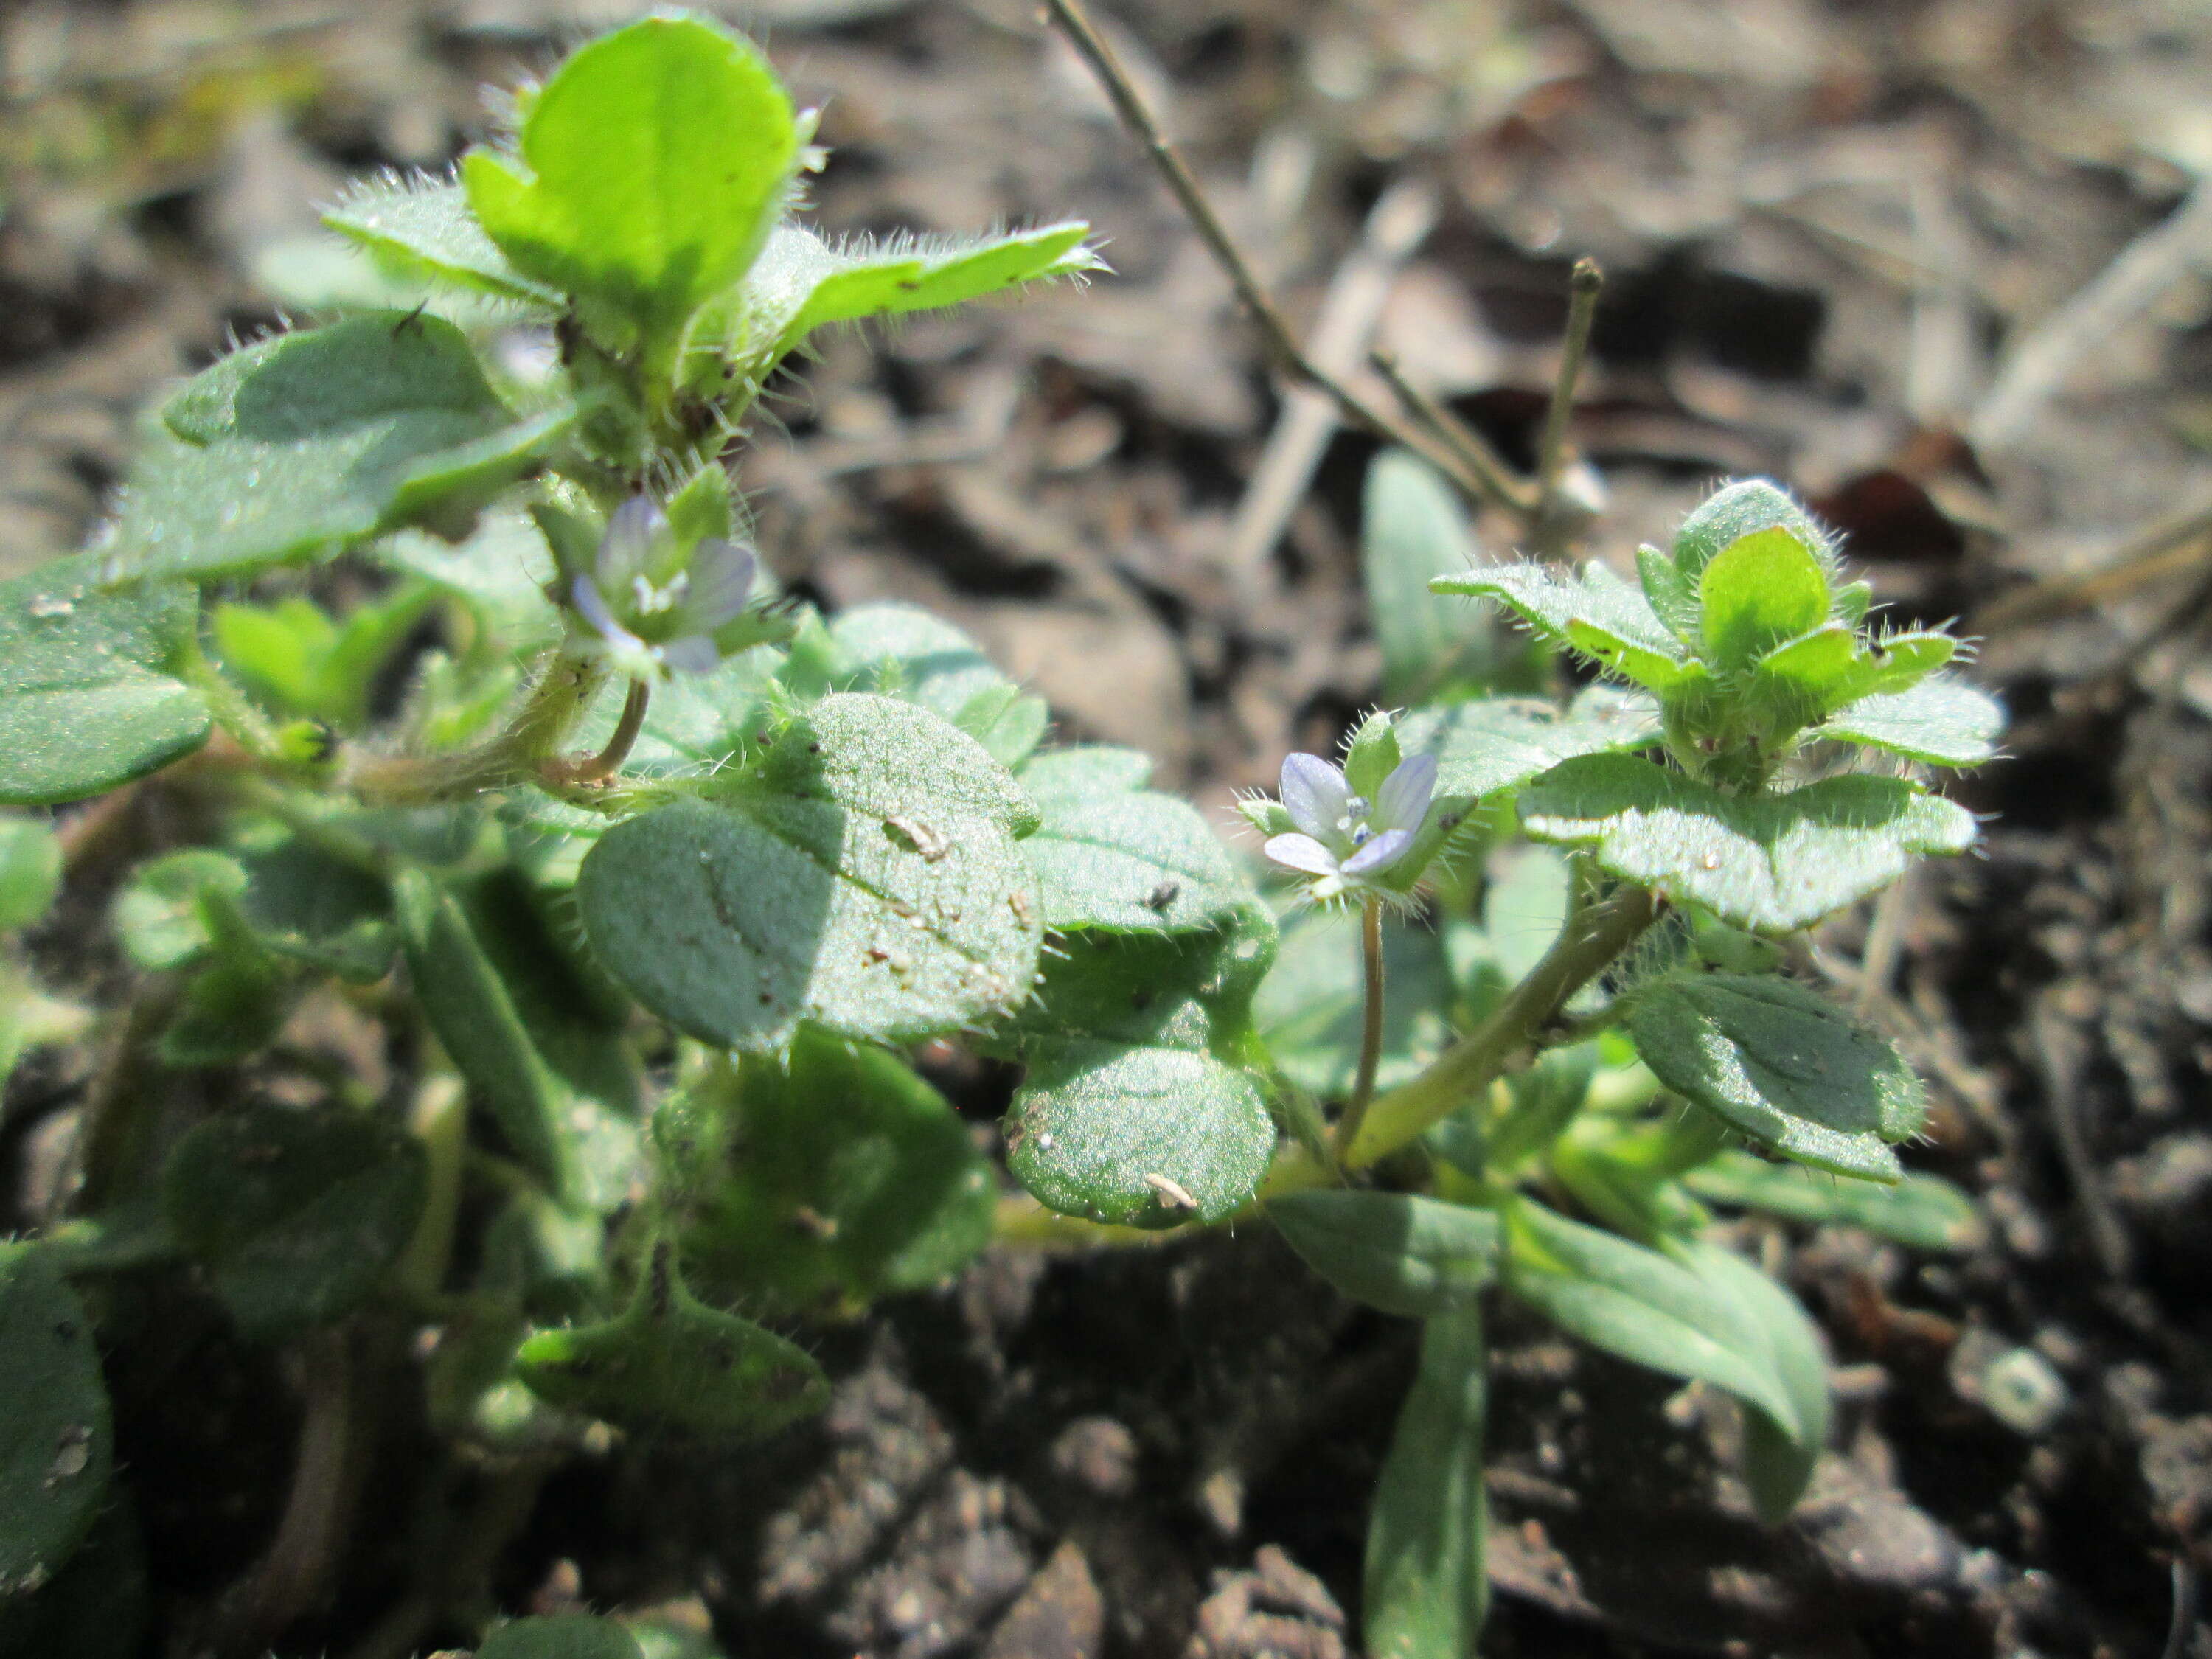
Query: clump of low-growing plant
659, 881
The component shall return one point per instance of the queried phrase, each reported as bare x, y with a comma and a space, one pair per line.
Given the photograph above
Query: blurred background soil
1943, 266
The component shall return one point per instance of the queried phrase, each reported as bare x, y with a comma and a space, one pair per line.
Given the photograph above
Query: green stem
595, 769
531, 737
1590, 941
1371, 1030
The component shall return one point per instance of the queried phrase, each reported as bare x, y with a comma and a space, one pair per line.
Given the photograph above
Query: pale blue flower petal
1380, 853
633, 536
584, 594
1403, 800
1301, 853
1316, 795
721, 582
694, 654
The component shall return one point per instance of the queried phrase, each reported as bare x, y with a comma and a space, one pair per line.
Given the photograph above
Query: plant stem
551, 710
1370, 1029
1589, 943
595, 769
1282, 345
1551, 449
1483, 463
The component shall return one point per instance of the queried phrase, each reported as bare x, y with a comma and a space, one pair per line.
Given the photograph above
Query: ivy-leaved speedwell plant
659, 880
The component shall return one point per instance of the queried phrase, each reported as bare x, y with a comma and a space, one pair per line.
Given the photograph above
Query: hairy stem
595, 769
555, 704
1590, 941
1370, 1029
1551, 449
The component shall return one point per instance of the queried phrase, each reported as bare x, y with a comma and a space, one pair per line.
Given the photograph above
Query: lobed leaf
83, 704
422, 227
861, 874
1493, 745
56, 1446
1593, 612
1737, 510
1769, 863
828, 1178
1942, 721
649, 172
1783, 1065
1406, 1254
1425, 1589
318, 440
296, 1216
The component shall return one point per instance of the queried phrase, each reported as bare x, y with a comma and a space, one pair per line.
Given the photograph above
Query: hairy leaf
861, 874
1406, 1254
30, 871
1769, 863
670, 1361
648, 174
1757, 591
1942, 721
1129, 860
1591, 610
422, 227
1783, 1065
1736, 511
296, 1215
56, 1451
1493, 745
83, 704
827, 1178
318, 440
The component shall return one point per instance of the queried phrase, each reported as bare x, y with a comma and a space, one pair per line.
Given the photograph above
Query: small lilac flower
654, 608
1342, 838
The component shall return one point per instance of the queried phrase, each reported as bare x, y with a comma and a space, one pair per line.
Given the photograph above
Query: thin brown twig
1282, 345
2166, 547
1483, 463
1583, 289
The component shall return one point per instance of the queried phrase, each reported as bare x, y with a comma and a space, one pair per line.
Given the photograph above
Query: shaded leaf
1921, 1210
670, 1361
318, 440
95, 1607
83, 705
1783, 1065
860, 872
56, 1451
1777, 1461
831, 1177
1411, 530
562, 1636
1769, 863
158, 914
1425, 1589
296, 1216
1406, 1254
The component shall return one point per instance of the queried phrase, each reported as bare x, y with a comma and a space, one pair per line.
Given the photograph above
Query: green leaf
1141, 1136
1592, 611
30, 871
1756, 593
1311, 1008
1783, 1065
299, 662
470, 1008
1493, 744
421, 228
296, 1216
318, 440
1831, 665
158, 915
800, 282
1131, 860
670, 1362
1738, 510
1942, 721
1639, 1305
1768, 863
564, 1636
1777, 1461
1672, 596
1189, 991
55, 1448
860, 872
1425, 1587
1412, 530
1921, 1210
1406, 1254
231, 1008
904, 651
1081, 773
825, 1179
648, 173
304, 904
95, 1607
83, 707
